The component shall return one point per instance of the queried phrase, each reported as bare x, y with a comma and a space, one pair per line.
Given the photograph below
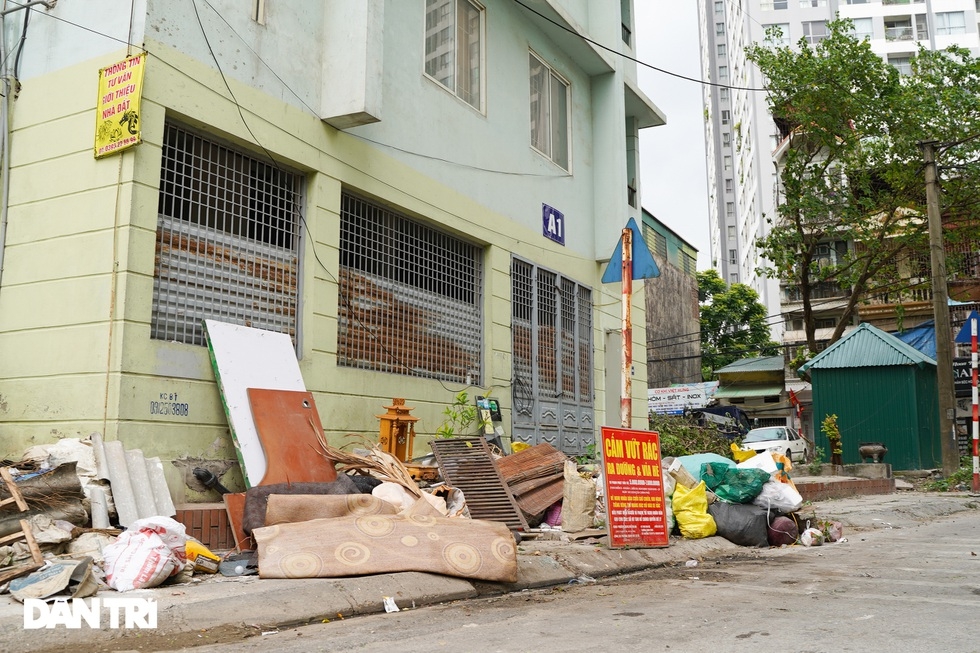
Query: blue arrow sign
965, 335
644, 267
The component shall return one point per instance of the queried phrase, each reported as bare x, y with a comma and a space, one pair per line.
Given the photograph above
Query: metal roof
757, 364
746, 391
867, 346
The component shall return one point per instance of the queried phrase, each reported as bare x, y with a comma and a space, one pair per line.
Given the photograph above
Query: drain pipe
6, 87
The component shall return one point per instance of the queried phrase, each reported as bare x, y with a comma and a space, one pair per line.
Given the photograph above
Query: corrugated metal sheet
867, 346
759, 390
758, 364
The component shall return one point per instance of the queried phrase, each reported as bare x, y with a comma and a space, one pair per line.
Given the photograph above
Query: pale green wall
75, 351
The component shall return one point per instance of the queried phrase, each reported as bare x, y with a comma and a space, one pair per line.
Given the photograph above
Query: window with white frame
731, 232
733, 277
722, 50
726, 162
901, 62
227, 242
723, 94
733, 257
769, 5
410, 296
726, 139
812, 3
815, 31
719, 7
729, 185
950, 22
726, 116
729, 209
777, 33
549, 112
723, 73
863, 28
719, 28
454, 47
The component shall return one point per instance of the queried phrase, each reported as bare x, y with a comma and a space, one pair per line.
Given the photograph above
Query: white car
778, 439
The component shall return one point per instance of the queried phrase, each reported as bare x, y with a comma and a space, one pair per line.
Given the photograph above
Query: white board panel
242, 358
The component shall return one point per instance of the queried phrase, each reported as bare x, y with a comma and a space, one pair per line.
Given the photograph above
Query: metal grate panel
411, 297
466, 463
227, 240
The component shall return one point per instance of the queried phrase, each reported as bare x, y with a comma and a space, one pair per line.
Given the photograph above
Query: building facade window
454, 48
733, 277
863, 28
731, 232
770, 5
723, 73
722, 50
902, 63
726, 139
729, 209
549, 112
815, 31
410, 296
726, 163
723, 94
719, 7
950, 22
227, 240
777, 33
719, 28
812, 3
733, 257
729, 186
726, 116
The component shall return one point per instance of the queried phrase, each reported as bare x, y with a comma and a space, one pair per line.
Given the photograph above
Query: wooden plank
287, 424
244, 358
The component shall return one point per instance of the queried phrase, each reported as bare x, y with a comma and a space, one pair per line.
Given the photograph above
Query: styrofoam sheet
242, 358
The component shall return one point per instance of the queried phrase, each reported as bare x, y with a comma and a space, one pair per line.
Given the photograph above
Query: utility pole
940, 307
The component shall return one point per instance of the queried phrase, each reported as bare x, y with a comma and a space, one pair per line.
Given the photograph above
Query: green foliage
814, 467
962, 476
681, 436
852, 175
589, 457
462, 418
832, 431
733, 323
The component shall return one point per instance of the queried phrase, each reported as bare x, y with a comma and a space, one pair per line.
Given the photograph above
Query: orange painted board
287, 425
235, 507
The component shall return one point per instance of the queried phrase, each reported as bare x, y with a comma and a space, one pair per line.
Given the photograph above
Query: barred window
411, 296
227, 240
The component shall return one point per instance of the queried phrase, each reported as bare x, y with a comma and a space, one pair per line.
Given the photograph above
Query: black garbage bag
744, 524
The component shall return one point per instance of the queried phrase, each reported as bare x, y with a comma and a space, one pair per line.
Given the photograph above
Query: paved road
903, 585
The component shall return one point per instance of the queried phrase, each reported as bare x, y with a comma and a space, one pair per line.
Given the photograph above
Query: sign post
636, 513
628, 263
976, 410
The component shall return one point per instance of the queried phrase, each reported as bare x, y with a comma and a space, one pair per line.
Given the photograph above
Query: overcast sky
672, 167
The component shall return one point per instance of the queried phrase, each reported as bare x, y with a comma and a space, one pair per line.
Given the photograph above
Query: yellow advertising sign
117, 118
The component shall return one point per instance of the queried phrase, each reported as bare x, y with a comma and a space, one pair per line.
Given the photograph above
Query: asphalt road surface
912, 588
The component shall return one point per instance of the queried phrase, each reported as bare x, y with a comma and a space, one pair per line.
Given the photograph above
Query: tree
733, 323
850, 167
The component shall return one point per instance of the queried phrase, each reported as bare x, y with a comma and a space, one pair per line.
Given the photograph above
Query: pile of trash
753, 502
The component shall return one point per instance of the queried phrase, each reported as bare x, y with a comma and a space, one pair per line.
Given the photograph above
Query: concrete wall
673, 321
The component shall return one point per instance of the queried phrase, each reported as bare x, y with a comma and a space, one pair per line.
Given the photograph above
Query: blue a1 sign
553, 224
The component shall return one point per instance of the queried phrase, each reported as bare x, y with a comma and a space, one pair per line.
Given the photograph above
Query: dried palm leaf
376, 463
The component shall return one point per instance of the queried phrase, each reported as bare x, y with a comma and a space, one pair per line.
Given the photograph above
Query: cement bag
740, 523
780, 497
691, 512
578, 501
149, 552
732, 484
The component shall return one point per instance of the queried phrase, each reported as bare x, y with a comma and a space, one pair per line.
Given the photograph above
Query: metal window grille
411, 296
227, 240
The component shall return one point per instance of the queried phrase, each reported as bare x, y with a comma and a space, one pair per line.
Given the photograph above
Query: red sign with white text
636, 515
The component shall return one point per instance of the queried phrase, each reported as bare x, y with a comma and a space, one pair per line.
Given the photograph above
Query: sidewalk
224, 609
